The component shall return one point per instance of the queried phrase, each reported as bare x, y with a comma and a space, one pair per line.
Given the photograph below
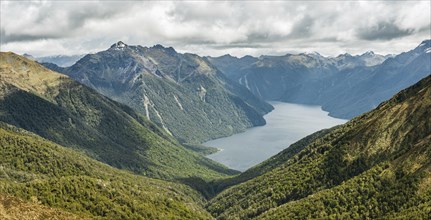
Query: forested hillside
41, 172
378, 165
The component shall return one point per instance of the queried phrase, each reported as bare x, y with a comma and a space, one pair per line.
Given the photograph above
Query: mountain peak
425, 42
344, 55
119, 45
169, 50
227, 56
313, 53
161, 47
368, 53
425, 46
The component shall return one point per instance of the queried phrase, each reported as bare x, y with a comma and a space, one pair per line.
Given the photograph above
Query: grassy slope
57, 108
362, 168
12, 208
36, 169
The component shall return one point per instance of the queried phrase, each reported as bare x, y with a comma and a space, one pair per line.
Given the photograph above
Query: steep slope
68, 113
219, 185
39, 171
346, 85
377, 165
12, 208
182, 93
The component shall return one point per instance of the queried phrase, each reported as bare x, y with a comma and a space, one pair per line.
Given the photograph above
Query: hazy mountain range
59, 60
345, 85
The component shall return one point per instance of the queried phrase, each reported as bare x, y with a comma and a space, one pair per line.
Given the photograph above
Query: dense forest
45, 173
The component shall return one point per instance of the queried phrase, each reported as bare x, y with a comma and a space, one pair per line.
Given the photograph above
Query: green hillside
45, 173
219, 185
59, 109
376, 166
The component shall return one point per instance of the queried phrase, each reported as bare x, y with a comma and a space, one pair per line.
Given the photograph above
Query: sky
215, 28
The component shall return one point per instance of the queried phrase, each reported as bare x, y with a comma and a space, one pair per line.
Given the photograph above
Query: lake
286, 124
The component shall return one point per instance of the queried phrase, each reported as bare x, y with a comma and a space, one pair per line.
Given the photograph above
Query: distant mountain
42, 180
60, 109
371, 59
182, 93
359, 90
29, 56
345, 85
231, 66
376, 166
60, 60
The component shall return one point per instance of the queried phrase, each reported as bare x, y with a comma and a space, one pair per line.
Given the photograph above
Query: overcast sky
215, 28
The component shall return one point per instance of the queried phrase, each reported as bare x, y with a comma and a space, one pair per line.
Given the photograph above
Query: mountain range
66, 112
59, 60
182, 93
345, 86
97, 142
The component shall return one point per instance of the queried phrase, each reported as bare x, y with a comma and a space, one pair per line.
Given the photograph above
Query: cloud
215, 28
302, 28
383, 31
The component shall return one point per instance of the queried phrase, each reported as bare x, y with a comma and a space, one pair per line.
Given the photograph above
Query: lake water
286, 124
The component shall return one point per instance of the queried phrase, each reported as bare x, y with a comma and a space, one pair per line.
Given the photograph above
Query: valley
281, 162
286, 124
215, 110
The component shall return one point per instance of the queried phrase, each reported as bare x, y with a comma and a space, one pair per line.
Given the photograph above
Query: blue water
286, 124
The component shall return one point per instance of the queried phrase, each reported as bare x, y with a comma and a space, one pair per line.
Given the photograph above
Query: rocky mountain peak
169, 50
368, 53
425, 46
119, 45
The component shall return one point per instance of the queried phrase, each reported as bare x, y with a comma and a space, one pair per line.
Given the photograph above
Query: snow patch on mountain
119, 46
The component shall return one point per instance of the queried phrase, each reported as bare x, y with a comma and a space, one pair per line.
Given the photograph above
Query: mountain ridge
172, 90
345, 86
60, 109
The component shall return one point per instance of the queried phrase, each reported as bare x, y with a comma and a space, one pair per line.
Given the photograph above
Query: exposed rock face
182, 93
